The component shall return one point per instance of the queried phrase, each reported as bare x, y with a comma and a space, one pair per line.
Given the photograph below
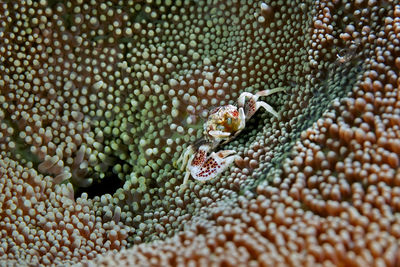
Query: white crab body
223, 124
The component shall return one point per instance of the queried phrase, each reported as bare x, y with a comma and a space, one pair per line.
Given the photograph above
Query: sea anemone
98, 99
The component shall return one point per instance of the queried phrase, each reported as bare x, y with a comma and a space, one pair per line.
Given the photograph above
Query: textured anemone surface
98, 99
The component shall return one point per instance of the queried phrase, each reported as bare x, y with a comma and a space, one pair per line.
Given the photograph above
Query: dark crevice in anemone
52, 3
109, 184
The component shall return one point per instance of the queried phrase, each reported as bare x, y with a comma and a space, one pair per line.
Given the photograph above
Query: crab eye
229, 121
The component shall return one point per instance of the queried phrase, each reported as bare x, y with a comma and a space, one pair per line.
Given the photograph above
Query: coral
99, 99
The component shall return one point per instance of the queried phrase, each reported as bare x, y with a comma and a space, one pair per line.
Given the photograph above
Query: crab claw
215, 163
204, 168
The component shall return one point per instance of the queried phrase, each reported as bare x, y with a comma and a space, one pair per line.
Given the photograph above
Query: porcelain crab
223, 124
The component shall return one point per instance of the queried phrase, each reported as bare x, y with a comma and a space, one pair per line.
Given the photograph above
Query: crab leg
266, 107
252, 105
219, 134
184, 158
243, 96
187, 174
270, 91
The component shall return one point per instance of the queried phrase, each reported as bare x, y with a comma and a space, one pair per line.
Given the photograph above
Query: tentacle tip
183, 188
